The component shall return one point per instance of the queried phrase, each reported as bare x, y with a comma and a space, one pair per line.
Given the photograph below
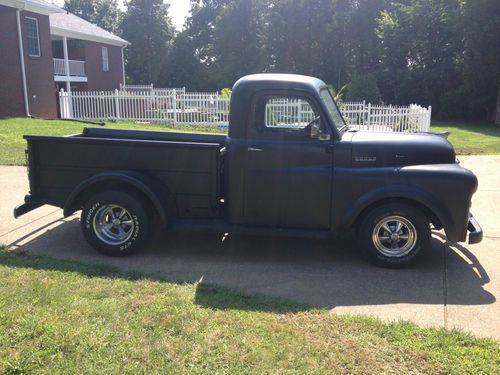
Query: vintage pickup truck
288, 166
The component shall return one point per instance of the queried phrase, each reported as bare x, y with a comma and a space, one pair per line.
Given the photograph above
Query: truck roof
245, 88
277, 81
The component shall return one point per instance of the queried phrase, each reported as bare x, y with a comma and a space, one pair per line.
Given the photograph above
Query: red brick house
59, 50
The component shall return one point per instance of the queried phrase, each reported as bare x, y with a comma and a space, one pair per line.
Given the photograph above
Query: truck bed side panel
189, 171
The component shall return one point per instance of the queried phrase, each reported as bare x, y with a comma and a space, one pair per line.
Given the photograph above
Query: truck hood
399, 149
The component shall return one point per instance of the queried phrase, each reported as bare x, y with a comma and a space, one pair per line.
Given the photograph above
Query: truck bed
154, 135
188, 165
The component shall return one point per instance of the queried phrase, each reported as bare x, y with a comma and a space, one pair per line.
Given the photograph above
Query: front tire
115, 223
393, 235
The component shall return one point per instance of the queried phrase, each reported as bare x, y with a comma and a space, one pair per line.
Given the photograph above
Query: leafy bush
338, 95
226, 92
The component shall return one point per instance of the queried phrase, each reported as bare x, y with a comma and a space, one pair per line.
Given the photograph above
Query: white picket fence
175, 106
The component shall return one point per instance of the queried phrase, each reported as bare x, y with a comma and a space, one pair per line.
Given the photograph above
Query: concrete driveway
450, 286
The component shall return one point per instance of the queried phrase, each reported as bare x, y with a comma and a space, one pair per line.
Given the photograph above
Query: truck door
287, 171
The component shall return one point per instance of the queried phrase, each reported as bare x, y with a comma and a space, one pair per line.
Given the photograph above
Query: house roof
35, 6
71, 26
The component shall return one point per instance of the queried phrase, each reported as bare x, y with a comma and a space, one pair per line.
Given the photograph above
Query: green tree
482, 57
192, 56
237, 48
364, 87
148, 28
103, 13
420, 51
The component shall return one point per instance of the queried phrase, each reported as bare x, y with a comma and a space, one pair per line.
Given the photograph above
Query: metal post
21, 57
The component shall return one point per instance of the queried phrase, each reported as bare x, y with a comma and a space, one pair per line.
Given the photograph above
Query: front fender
154, 190
400, 191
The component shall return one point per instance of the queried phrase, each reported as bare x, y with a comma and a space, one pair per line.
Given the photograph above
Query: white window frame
37, 37
105, 59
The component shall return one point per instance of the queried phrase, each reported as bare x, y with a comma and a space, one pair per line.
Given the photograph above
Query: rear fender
152, 189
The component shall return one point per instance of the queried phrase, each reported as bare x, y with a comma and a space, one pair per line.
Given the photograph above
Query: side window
105, 60
288, 112
33, 37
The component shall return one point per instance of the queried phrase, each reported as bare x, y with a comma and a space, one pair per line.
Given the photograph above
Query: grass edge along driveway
60, 316
12, 144
467, 138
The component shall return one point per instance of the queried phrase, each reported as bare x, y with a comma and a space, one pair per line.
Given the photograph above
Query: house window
105, 60
33, 37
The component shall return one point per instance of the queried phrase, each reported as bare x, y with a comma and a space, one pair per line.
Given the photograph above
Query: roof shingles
70, 22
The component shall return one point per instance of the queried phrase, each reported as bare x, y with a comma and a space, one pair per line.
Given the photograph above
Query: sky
179, 10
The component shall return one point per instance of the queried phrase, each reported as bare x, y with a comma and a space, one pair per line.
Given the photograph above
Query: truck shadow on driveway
317, 273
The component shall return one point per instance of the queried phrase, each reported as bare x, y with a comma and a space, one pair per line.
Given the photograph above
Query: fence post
65, 103
174, 102
368, 116
69, 102
117, 105
429, 114
62, 104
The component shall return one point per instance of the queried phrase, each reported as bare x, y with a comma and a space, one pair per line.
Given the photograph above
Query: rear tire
115, 223
393, 235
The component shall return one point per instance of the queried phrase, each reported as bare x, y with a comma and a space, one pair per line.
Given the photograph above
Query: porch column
66, 63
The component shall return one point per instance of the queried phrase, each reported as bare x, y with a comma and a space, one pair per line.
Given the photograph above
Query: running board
220, 226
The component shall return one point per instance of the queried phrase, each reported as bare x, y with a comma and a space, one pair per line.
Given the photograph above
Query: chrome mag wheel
394, 236
113, 224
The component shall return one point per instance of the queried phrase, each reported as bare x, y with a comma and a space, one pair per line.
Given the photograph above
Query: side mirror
324, 136
315, 130
317, 133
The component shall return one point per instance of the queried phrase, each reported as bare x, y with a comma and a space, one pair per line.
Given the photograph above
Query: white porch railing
211, 109
76, 68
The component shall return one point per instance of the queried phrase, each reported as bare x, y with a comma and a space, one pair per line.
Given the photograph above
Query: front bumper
475, 231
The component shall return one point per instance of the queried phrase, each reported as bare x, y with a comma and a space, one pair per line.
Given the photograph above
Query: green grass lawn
12, 144
471, 139
467, 138
66, 317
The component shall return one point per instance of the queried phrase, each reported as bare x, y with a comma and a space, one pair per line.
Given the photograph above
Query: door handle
329, 148
252, 149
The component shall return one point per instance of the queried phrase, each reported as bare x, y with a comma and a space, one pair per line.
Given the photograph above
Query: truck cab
282, 133
289, 166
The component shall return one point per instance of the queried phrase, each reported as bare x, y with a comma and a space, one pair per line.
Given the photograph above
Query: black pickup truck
289, 166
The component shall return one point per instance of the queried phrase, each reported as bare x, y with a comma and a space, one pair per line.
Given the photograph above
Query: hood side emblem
365, 158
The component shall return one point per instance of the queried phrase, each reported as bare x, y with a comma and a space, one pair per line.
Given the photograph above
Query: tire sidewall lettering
129, 243
90, 215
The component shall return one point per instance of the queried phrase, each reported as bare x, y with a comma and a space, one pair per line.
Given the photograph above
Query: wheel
393, 235
115, 223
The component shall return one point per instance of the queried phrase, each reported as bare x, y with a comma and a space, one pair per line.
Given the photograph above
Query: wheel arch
420, 199
149, 188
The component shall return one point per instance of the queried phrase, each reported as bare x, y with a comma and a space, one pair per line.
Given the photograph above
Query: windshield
332, 108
